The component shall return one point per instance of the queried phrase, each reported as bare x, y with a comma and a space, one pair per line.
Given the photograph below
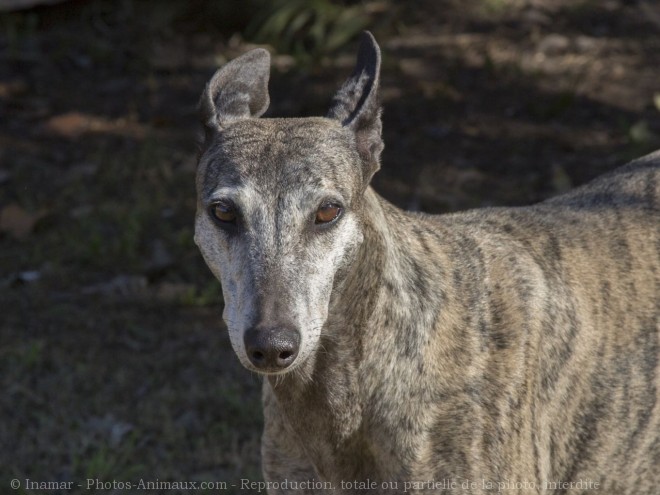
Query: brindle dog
496, 349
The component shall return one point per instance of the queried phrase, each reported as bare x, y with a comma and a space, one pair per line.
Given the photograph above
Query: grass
153, 397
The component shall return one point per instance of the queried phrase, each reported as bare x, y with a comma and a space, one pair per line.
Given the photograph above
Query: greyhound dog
495, 349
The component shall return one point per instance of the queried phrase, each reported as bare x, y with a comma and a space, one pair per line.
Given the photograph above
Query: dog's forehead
281, 153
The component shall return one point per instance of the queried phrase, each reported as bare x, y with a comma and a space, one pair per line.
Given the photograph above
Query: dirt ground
114, 364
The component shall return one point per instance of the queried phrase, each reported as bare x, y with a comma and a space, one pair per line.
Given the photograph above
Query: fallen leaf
21, 278
121, 285
554, 44
173, 291
12, 88
18, 222
29, 276
71, 125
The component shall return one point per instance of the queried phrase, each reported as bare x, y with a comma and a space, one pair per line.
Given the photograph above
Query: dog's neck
381, 319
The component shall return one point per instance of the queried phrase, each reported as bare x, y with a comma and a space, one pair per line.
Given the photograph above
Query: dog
495, 349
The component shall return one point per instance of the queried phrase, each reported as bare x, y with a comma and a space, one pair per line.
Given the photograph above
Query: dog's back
564, 300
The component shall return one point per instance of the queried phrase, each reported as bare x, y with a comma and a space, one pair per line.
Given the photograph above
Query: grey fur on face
516, 345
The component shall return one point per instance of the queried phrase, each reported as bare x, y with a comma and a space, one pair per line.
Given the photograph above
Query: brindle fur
495, 345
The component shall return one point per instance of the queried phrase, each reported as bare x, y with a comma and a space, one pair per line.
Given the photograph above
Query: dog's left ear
357, 107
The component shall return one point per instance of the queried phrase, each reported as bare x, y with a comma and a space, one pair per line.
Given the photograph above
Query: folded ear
238, 90
356, 105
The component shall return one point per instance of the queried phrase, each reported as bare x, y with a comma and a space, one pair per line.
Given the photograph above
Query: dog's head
278, 211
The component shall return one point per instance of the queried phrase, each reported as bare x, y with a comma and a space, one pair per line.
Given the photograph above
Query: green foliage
307, 29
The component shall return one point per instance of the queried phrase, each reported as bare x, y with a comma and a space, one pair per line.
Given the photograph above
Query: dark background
114, 363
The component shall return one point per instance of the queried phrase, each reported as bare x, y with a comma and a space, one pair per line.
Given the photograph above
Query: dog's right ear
238, 90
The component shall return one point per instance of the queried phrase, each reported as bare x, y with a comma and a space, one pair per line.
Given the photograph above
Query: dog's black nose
272, 349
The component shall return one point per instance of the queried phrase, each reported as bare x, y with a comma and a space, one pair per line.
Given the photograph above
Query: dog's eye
327, 213
223, 212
